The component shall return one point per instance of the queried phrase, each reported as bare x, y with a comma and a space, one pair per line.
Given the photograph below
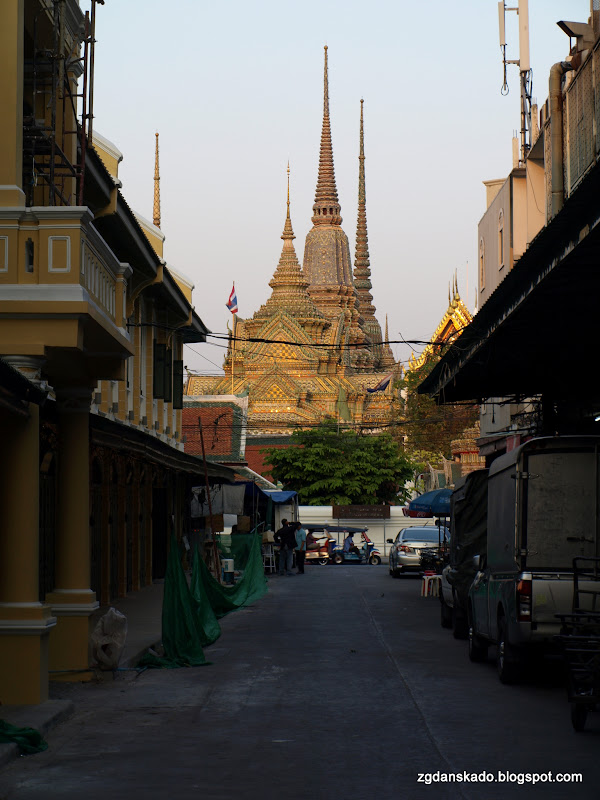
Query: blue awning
279, 497
432, 503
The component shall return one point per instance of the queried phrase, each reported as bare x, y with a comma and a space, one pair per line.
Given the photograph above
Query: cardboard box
215, 523
268, 537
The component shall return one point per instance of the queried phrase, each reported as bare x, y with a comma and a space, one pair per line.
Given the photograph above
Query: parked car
405, 553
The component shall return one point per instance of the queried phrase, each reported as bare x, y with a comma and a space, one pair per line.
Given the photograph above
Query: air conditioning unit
130, 416
168, 430
156, 425
115, 408
145, 421
98, 398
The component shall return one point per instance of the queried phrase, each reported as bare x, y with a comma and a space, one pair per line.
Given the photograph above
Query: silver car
405, 553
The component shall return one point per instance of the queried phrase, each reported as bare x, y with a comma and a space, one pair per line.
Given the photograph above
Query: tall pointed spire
288, 283
326, 210
362, 264
387, 360
327, 264
362, 270
156, 213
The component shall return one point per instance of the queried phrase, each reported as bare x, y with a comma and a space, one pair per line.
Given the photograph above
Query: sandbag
108, 639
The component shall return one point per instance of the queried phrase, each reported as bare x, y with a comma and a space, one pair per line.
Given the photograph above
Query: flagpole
232, 352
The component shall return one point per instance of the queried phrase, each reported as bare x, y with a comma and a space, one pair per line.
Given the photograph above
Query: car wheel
338, 558
579, 713
323, 561
374, 560
477, 647
508, 661
445, 613
460, 627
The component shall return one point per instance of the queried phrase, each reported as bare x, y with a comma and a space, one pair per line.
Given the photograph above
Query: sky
235, 90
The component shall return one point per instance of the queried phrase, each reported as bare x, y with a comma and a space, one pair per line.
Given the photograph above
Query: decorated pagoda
314, 350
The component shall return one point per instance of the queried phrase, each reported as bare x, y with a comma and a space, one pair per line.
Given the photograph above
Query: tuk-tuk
325, 544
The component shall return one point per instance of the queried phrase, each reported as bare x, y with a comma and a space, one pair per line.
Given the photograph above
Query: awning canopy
434, 503
540, 322
279, 497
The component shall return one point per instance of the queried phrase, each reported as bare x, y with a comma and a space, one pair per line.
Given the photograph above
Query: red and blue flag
232, 302
382, 385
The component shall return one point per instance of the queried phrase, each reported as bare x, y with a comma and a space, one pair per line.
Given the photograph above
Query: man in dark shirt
285, 537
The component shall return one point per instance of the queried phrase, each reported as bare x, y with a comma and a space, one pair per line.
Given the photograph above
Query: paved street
337, 684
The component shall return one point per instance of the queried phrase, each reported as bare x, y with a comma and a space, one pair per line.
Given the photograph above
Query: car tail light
404, 548
524, 594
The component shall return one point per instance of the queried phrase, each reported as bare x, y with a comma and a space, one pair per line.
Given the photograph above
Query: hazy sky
235, 89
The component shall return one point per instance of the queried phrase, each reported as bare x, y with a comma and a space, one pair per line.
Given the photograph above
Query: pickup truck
542, 511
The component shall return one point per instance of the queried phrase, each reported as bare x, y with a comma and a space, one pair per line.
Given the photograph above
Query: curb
42, 717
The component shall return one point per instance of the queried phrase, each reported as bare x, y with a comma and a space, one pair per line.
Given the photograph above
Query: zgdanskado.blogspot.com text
501, 776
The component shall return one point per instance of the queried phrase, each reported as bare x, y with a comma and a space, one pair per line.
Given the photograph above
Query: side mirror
477, 562
390, 541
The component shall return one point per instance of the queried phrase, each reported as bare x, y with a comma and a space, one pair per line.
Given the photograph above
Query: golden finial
156, 217
326, 87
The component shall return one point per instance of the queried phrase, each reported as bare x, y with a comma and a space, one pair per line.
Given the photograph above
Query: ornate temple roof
311, 351
456, 318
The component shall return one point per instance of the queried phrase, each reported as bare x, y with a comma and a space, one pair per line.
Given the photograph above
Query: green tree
428, 429
327, 467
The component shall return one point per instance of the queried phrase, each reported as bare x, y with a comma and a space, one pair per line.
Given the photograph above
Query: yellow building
92, 324
314, 349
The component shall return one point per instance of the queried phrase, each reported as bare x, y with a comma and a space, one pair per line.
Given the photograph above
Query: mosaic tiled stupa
315, 347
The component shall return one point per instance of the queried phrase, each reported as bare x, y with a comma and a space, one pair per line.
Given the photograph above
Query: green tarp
182, 633
29, 740
190, 613
246, 553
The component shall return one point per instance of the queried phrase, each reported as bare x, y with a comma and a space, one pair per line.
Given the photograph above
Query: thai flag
232, 302
383, 384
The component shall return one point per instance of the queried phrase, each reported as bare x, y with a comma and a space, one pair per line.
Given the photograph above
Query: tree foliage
327, 467
428, 429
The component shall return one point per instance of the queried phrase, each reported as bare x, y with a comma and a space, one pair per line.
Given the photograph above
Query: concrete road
338, 684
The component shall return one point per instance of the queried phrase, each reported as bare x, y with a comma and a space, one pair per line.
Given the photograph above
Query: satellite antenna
522, 62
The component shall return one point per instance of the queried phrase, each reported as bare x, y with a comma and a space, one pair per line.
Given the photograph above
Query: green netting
29, 740
182, 633
190, 613
251, 587
237, 546
211, 630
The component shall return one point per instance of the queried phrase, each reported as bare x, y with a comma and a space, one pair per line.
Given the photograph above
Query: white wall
379, 529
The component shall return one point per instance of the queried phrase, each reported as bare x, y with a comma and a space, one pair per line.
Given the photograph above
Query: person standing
300, 547
286, 538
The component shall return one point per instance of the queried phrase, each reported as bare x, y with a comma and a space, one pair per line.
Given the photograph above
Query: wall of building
502, 232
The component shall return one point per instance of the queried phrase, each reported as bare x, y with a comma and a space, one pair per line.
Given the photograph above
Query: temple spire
362, 269
326, 210
362, 264
288, 232
288, 282
156, 213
